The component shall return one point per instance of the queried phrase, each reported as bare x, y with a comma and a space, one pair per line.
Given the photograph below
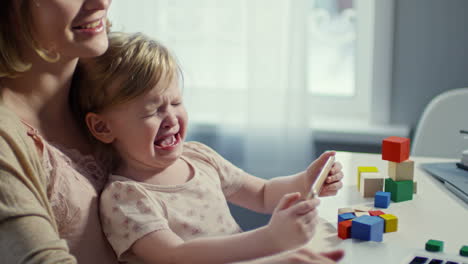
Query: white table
434, 213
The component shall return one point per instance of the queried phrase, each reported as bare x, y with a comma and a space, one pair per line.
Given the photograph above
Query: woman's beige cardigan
28, 232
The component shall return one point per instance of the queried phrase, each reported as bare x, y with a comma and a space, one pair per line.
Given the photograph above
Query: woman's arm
28, 233
302, 255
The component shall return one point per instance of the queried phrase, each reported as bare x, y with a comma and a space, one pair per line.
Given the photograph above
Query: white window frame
373, 71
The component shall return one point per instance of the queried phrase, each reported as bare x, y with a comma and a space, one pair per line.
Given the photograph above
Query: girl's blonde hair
132, 66
17, 31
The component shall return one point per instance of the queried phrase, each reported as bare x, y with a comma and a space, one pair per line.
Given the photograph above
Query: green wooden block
435, 245
400, 190
464, 251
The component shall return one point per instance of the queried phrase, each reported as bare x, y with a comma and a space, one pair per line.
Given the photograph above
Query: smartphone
318, 184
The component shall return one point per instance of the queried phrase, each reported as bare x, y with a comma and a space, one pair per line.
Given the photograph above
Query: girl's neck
40, 95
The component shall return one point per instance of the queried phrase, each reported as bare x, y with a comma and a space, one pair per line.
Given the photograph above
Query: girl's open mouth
168, 142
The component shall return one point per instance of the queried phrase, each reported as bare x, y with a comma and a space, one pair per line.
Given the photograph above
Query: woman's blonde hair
17, 31
132, 66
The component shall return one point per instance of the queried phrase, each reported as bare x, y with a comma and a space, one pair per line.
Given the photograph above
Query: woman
49, 180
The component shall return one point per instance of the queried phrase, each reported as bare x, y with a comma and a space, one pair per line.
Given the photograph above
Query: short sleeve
128, 213
231, 177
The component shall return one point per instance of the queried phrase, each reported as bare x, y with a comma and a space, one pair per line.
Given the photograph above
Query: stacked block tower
400, 184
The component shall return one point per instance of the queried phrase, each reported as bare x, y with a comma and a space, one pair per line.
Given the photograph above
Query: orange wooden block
344, 229
396, 149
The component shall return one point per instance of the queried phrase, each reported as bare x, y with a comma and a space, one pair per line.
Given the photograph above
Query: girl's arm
262, 196
292, 225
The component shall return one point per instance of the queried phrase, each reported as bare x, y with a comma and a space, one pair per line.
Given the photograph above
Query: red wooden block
344, 229
396, 149
376, 213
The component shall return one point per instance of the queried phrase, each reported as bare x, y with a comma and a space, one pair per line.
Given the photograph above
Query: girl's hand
333, 182
301, 255
293, 222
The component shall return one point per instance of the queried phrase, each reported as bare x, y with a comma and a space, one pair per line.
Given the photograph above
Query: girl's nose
170, 121
97, 4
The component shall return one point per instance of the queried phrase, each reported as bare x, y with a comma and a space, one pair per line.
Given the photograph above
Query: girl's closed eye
176, 103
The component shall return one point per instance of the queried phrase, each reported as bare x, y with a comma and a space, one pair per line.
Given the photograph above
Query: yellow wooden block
391, 222
364, 169
401, 171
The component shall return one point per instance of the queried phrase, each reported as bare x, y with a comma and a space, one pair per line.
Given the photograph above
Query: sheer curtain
243, 64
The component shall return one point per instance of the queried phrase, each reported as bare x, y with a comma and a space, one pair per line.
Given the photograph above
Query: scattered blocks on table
371, 182
344, 229
435, 245
401, 171
345, 210
362, 208
391, 222
396, 149
362, 169
400, 190
346, 216
382, 199
376, 213
369, 228
464, 251
358, 214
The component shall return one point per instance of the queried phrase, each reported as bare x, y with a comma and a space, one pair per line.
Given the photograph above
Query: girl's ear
98, 126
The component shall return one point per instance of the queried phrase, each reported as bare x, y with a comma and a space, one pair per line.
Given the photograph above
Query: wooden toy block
401, 171
400, 190
344, 229
346, 216
362, 208
376, 213
434, 245
390, 222
396, 149
361, 170
345, 210
368, 228
382, 199
371, 182
358, 214
464, 251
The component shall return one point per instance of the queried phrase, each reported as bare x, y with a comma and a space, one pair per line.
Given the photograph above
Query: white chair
438, 130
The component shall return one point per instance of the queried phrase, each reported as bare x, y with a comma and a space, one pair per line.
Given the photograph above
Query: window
338, 52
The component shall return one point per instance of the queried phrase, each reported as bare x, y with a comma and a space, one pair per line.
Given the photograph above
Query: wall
430, 54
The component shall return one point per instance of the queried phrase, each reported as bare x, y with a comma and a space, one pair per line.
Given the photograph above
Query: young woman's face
149, 131
72, 28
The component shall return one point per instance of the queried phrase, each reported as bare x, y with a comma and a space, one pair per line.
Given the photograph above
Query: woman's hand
293, 221
299, 256
333, 181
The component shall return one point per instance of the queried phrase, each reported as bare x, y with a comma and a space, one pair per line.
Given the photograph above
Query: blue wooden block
345, 216
368, 228
382, 199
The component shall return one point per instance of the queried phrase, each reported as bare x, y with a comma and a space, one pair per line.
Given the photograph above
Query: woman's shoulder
10, 122
16, 147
